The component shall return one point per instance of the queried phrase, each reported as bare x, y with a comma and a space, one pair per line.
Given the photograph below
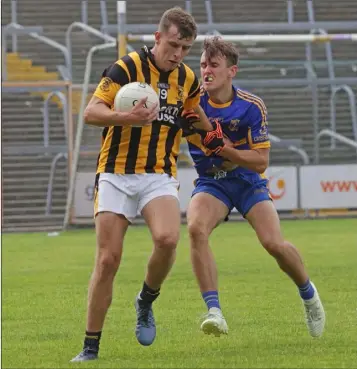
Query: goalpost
123, 39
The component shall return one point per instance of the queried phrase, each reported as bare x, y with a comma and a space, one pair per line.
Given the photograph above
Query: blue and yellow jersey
244, 121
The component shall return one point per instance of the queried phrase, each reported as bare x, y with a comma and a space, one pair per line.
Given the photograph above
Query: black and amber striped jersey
153, 148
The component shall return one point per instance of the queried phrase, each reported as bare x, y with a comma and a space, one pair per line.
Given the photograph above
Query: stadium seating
26, 175
290, 108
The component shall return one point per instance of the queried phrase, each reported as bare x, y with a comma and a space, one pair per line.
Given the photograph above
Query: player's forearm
204, 124
101, 116
249, 159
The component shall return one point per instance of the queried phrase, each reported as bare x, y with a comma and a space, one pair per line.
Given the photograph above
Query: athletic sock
92, 340
148, 294
211, 299
307, 290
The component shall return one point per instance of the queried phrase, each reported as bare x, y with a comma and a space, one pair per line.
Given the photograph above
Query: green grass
44, 302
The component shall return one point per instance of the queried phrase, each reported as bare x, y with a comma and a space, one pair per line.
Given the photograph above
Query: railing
84, 12
331, 73
11, 30
337, 136
85, 28
61, 89
104, 14
55, 160
291, 145
14, 28
46, 119
352, 104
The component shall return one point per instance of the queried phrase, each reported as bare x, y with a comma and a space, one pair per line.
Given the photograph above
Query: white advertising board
321, 187
328, 186
283, 187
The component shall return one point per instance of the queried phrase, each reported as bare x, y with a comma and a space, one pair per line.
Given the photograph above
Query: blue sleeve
258, 135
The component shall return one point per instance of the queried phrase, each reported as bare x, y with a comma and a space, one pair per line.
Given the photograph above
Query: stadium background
43, 77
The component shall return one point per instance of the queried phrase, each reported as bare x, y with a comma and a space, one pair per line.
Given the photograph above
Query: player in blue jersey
230, 175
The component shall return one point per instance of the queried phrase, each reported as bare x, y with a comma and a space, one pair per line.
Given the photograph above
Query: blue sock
306, 290
211, 299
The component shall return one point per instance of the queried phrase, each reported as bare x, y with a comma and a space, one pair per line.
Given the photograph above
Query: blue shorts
234, 192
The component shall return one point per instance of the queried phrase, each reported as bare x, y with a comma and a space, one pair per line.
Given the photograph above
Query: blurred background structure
308, 88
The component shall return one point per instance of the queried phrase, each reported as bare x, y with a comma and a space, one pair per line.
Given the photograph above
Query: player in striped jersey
137, 167
231, 175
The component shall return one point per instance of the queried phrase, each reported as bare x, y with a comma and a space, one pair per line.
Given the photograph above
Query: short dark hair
216, 46
178, 17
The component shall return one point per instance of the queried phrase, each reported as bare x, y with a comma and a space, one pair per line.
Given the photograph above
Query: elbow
261, 168
87, 115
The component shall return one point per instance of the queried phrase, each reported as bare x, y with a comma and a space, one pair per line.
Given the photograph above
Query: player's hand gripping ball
129, 95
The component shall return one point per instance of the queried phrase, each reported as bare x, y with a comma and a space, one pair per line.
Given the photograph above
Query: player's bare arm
255, 159
203, 123
98, 113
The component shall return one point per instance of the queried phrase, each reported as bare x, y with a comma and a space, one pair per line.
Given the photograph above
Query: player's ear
157, 36
233, 71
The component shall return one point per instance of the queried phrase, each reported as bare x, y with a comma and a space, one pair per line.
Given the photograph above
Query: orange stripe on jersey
243, 141
256, 101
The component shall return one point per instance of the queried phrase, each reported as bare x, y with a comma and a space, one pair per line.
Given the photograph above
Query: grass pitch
44, 302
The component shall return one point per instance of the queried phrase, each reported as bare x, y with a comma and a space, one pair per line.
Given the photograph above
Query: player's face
171, 48
215, 73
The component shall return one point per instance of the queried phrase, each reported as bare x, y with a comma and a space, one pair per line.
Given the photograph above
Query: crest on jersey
263, 130
105, 84
180, 93
233, 125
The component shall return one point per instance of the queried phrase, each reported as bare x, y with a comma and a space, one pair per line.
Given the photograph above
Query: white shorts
127, 194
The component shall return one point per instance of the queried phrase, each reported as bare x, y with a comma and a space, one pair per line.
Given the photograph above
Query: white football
131, 93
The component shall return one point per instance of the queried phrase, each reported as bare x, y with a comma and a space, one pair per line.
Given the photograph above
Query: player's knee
197, 230
166, 240
107, 264
274, 247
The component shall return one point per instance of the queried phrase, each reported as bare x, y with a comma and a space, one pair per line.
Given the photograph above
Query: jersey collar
225, 105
